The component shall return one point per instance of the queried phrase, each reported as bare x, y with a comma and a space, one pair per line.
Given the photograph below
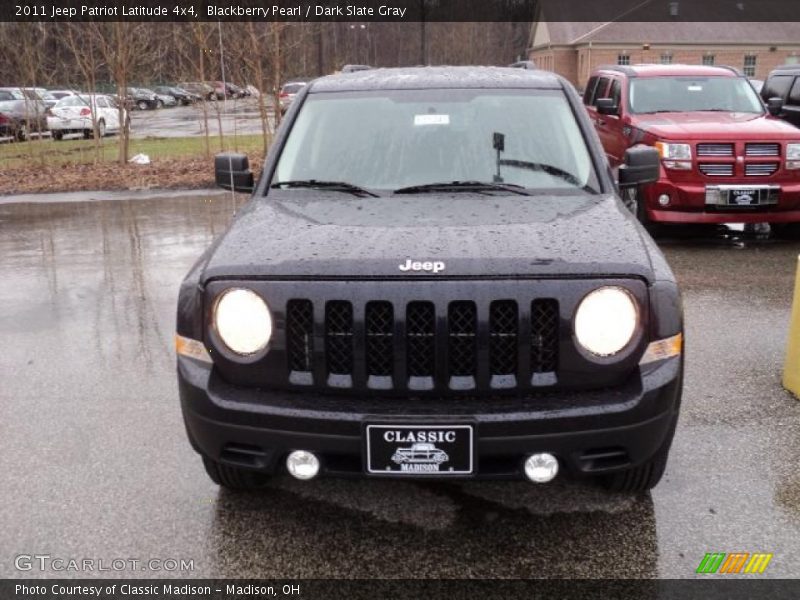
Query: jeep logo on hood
415, 265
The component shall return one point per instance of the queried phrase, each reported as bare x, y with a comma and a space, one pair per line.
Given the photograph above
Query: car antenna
499, 144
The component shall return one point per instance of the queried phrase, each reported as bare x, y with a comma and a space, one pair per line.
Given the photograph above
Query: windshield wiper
463, 186
545, 168
336, 186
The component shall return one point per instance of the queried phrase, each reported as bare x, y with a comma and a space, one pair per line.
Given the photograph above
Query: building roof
570, 22
436, 77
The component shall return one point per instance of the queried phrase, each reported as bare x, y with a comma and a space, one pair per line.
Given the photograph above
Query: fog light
302, 464
541, 468
663, 199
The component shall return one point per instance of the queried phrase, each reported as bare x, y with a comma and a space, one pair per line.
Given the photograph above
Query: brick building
574, 49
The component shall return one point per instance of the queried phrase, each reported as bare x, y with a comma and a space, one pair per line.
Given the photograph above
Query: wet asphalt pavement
96, 463
238, 116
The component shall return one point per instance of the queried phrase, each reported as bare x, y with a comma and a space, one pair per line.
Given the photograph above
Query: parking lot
96, 462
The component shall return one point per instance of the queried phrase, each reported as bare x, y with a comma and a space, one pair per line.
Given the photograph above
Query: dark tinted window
614, 92
601, 90
777, 86
794, 95
587, 95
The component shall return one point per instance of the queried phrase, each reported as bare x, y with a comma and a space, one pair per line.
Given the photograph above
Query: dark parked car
182, 96
142, 98
203, 90
18, 118
437, 258
784, 83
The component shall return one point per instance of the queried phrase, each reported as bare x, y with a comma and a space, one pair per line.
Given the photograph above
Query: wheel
234, 478
22, 132
58, 136
101, 128
647, 475
785, 230
159, 103
88, 134
141, 105
631, 198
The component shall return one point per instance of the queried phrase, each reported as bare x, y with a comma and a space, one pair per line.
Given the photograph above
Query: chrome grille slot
762, 149
760, 169
707, 149
716, 169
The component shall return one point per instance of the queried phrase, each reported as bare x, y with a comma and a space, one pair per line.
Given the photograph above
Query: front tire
234, 478
141, 105
22, 133
57, 136
789, 231
101, 129
160, 104
633, 201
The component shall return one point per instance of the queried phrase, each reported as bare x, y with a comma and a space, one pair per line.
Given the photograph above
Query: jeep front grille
434, 346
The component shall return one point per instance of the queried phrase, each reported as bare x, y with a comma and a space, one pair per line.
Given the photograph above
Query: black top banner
401, 10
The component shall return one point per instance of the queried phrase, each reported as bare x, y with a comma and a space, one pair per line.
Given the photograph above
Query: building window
708, 60
750, 65
666, 58
623, 59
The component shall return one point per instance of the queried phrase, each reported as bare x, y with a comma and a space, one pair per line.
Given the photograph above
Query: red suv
724, 156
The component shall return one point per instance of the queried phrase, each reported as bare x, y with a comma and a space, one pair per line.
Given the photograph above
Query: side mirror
606, 106
775, 106
642, 165
232, 172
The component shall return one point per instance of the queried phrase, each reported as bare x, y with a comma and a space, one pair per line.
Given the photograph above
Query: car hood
716, 126
334, 236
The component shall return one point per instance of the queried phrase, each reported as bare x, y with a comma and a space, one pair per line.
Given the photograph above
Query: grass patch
79, 151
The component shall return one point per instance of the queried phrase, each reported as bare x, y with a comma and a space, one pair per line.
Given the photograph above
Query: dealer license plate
437, 450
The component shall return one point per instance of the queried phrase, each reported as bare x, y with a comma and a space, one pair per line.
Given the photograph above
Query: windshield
683, 94
391, 139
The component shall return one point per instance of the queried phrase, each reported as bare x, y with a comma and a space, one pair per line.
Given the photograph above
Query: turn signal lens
192, 348
661, 349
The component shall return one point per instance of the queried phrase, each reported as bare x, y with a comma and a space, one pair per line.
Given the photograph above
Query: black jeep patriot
434, 278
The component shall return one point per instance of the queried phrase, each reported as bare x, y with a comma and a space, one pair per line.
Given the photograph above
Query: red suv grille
716, 169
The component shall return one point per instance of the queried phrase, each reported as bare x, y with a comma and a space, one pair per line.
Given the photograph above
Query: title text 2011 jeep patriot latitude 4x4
433, 258
724, 157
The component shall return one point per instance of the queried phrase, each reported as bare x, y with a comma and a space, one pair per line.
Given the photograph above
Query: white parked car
73, 114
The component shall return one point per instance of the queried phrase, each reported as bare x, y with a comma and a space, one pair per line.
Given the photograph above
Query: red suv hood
690, 126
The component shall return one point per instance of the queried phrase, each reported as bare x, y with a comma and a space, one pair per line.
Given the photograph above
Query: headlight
606, 320
793, 156
675, 156
243, 321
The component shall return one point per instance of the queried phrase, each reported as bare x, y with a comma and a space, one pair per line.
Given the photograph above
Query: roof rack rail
523, 64
354, 68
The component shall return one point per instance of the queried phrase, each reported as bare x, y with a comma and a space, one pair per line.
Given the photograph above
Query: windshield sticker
431, 119
695, 88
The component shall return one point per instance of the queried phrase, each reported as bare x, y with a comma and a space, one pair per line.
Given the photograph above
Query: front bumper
591, 433
688, 203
